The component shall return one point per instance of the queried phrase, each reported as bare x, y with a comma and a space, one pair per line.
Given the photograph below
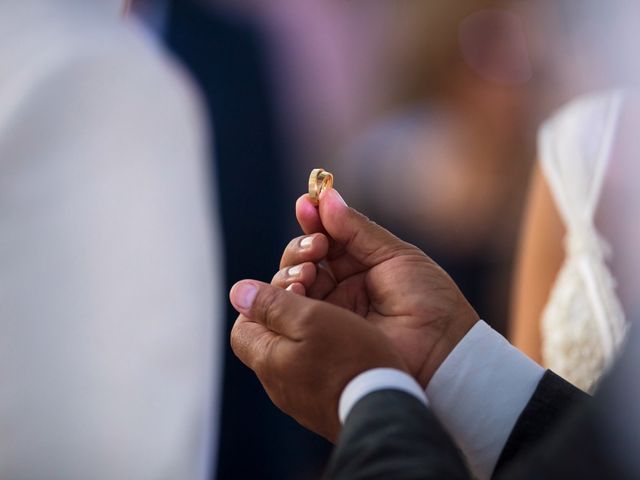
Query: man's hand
305, 351
350, 262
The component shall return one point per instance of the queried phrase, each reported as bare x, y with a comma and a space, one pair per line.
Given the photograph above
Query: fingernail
295, 271
243, 295
306, 242
290, 288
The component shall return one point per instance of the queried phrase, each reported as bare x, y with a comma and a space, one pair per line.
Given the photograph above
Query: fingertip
303, 273
332, 198
304, 204
307, 215
297, 288
321, 244
334, 213
306, 198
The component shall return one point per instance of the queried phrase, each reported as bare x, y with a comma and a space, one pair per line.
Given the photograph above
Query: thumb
276, 309
366, 241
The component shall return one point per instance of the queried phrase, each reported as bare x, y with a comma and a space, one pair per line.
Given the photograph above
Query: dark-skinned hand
305, 351
348, 261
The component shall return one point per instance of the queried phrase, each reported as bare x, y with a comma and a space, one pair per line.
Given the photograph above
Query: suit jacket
390, 434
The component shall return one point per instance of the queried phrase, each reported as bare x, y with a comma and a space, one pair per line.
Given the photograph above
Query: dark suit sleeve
578, 447
550, 404
597, 439
392, 435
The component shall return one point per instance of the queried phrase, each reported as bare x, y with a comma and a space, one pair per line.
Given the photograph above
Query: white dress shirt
478, 393
109, 300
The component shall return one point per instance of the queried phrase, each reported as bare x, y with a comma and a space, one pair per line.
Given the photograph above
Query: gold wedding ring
319, 180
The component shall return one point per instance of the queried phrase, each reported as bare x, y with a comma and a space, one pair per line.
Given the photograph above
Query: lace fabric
583, 324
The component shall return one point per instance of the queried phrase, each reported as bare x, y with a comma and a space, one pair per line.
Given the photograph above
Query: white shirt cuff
479, 392
376, 380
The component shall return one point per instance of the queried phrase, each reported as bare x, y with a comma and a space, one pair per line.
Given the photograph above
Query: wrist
452, 334
472, 380
375, 380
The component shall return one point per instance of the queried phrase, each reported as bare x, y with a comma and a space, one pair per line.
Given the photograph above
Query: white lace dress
583, 324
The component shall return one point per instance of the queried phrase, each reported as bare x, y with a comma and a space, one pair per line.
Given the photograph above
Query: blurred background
425, 111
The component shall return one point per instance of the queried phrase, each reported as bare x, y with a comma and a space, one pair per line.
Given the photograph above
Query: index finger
251, 341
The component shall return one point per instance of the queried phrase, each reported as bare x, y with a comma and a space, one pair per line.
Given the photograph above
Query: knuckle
269, 305
239, 344
233, 335
308, 315
237, 336
261, 367
233, 338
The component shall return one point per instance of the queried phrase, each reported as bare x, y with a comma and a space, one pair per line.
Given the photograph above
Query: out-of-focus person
446, 160
582, 322
109, 347
569, 306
